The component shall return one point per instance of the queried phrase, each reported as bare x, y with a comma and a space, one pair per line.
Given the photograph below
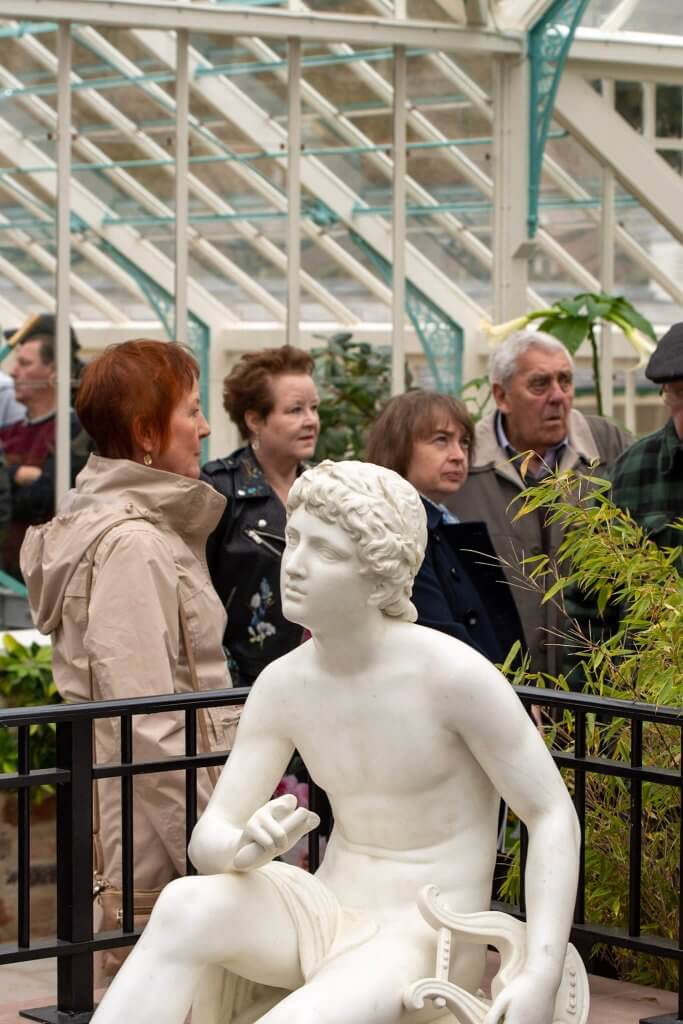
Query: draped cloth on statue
324, 931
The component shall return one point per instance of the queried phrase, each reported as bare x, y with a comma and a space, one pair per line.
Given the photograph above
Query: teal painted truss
549, 42
440, 336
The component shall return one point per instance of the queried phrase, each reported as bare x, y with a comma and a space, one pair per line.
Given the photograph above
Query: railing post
74, 876
75, 872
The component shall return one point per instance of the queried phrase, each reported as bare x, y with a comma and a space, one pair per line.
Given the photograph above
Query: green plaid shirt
647, 480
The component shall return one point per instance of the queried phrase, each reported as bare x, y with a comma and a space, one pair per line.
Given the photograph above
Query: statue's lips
291, 592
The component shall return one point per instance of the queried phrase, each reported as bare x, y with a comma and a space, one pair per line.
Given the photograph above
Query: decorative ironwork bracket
440, 336
549, 42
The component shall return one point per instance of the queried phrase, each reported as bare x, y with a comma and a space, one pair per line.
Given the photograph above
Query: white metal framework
266, 172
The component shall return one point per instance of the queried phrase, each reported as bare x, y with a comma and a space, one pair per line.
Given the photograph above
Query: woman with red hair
119, 579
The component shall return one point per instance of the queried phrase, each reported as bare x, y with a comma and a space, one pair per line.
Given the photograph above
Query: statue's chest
376, 741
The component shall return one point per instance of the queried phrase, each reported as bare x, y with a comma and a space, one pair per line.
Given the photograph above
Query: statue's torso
411, 803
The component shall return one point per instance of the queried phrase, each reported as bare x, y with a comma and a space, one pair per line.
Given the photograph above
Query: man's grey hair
504, 359
382, 513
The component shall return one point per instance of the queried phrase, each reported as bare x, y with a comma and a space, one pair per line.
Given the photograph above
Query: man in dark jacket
533, 432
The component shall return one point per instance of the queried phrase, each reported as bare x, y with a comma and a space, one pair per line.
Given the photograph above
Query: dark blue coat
461, 588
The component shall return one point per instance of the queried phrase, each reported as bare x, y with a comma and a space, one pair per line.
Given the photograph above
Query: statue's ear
379, 594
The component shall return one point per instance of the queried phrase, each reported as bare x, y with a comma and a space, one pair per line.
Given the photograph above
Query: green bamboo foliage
625, 597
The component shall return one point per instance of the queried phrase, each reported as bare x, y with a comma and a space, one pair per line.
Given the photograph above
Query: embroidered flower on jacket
259, 629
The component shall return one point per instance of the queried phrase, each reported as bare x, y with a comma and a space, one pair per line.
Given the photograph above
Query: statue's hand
528, 999
272, 830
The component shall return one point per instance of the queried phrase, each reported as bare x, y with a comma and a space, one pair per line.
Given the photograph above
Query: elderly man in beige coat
532, 380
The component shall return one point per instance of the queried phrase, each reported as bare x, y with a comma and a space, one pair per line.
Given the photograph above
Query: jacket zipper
258, 539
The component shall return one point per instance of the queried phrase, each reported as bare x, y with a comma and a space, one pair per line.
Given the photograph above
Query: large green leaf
623, 308
570, 330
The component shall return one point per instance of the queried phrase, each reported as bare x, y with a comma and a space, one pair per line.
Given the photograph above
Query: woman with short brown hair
271, 396
461, 588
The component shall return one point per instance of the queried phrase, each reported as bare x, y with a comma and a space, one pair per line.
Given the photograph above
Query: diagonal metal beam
563, 180
466, 167
567, 185
92, 253
224, 96
126, 182
9, 314
612, 141
27, 284
48, 262
349, 131
621, 13
94, 213
267, 249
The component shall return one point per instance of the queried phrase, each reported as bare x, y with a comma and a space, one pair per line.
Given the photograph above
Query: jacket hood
108, 492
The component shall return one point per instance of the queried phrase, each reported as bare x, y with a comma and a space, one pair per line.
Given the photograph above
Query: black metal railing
636, 774
73, 776
74, 773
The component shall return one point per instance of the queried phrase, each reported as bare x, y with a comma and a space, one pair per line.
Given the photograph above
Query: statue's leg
236, 920
364, 985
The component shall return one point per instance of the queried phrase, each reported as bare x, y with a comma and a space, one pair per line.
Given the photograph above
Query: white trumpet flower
497, 332
643, 345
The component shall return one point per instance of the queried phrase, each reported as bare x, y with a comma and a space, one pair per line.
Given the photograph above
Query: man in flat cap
647, 479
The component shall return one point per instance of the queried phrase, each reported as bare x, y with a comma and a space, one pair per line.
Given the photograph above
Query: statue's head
384, 517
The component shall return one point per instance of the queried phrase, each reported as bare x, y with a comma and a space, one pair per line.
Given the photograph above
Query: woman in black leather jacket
461, 588
271, 397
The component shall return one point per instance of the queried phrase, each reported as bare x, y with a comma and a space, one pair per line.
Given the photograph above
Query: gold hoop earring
147, 459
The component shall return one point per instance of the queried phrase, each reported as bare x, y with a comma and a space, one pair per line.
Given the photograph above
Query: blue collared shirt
548, 463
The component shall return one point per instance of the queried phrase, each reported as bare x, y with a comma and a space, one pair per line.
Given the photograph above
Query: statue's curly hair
382, 513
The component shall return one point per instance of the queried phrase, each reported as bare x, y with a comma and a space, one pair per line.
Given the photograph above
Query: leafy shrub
354, 381
26, 681
626, 639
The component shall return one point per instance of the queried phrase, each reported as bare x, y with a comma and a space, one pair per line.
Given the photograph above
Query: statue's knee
178, 904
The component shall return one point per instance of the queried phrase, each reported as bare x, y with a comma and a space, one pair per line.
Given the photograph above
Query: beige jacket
150, 561
494, 483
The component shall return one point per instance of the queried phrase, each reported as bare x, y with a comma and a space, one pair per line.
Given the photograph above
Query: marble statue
413, 735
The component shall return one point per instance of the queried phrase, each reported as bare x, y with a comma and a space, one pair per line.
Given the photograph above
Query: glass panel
659, 16
669, 111
628, 101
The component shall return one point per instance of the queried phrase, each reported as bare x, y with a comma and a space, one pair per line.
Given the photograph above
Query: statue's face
321, 583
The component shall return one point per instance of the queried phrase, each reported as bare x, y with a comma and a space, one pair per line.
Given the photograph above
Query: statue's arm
242, 827
508, 747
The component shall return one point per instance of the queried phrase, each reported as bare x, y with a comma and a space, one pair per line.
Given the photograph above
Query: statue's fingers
281, 806
265, 832
299, 823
